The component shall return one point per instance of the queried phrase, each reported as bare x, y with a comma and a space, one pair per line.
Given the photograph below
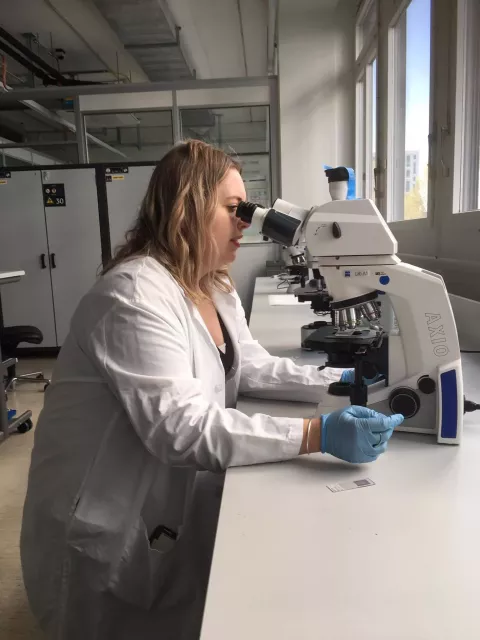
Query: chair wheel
46, 386
26, 426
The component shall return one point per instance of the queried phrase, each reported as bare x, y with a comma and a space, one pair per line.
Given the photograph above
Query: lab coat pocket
141, 569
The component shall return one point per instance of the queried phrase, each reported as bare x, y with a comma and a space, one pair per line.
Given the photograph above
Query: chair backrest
11, 337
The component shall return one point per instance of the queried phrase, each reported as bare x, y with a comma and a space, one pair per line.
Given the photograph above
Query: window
26, 140
366, 100
366, 25
242, 132
366, 132
409, 111
373, 148
467, 120
140, 136
236, 130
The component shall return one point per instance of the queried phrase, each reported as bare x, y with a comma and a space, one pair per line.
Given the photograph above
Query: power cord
469, 406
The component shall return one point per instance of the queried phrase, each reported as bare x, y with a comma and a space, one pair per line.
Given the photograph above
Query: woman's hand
357, 434
348, 376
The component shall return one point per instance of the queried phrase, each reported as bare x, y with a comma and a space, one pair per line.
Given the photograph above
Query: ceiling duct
148, 32
33, 63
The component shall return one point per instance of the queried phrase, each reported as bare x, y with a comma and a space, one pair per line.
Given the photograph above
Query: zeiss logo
355, 274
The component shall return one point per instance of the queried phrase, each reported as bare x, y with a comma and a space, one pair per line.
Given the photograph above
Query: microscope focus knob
426, 384
405, 401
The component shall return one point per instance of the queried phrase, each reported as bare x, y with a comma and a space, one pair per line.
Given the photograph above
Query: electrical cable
469, 406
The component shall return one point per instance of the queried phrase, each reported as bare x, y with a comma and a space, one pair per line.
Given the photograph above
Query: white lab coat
138, 405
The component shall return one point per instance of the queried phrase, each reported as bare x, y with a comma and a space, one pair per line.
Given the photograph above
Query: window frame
363, 43
396, 117
367, 49
466, 197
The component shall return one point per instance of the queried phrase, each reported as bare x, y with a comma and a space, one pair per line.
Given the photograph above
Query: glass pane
236, 130
256, 176
242, 132
417, 108
373, 147
38, 141
141, 136
360, 142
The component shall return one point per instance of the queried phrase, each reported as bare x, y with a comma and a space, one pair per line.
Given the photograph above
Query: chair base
36, 376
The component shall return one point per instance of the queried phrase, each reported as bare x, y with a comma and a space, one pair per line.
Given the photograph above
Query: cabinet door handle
53, 264
43, 262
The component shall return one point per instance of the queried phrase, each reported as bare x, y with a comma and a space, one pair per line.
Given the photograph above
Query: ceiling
148, 32
25, 16
130, 41
141, 40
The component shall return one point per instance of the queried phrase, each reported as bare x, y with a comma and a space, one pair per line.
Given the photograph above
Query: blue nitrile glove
357, 434
349, 376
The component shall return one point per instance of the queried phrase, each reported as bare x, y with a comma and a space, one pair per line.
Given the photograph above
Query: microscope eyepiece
273, 224
245, 211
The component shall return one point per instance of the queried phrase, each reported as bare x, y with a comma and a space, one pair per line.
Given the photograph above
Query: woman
121, 507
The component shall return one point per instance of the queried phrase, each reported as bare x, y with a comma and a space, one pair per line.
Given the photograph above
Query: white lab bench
396, 561
7, 277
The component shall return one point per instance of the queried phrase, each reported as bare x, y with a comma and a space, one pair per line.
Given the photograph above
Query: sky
418, 79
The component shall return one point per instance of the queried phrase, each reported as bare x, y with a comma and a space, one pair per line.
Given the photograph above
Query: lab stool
10, 338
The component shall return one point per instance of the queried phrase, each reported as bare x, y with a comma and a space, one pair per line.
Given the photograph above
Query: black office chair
10, 338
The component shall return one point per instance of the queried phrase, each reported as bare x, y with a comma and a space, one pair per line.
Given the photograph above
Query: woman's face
227, 229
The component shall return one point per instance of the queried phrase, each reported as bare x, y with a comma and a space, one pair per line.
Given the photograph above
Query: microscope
416, 358
306, 284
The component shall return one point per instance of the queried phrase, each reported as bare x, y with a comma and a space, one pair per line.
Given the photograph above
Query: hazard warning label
54, 195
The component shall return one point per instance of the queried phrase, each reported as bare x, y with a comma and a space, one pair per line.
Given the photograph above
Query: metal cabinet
126, 187
49, 227
73, 231
24, 246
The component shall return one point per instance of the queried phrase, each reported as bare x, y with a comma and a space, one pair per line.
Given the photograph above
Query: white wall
250, 264
317, 99
317, 111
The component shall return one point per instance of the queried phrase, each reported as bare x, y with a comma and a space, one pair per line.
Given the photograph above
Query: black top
227, 357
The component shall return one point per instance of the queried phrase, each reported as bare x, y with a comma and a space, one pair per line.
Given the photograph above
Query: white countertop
396, 561
10, 276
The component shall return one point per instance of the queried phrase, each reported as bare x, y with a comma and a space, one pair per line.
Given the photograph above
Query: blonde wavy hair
174, 221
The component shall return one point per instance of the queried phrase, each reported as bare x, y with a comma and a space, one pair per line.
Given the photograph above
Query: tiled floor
16, 621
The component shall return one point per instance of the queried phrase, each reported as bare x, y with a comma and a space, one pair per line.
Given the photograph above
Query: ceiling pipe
27, 58
244, 49
28, 53
39, 73
272, 37
242, 36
